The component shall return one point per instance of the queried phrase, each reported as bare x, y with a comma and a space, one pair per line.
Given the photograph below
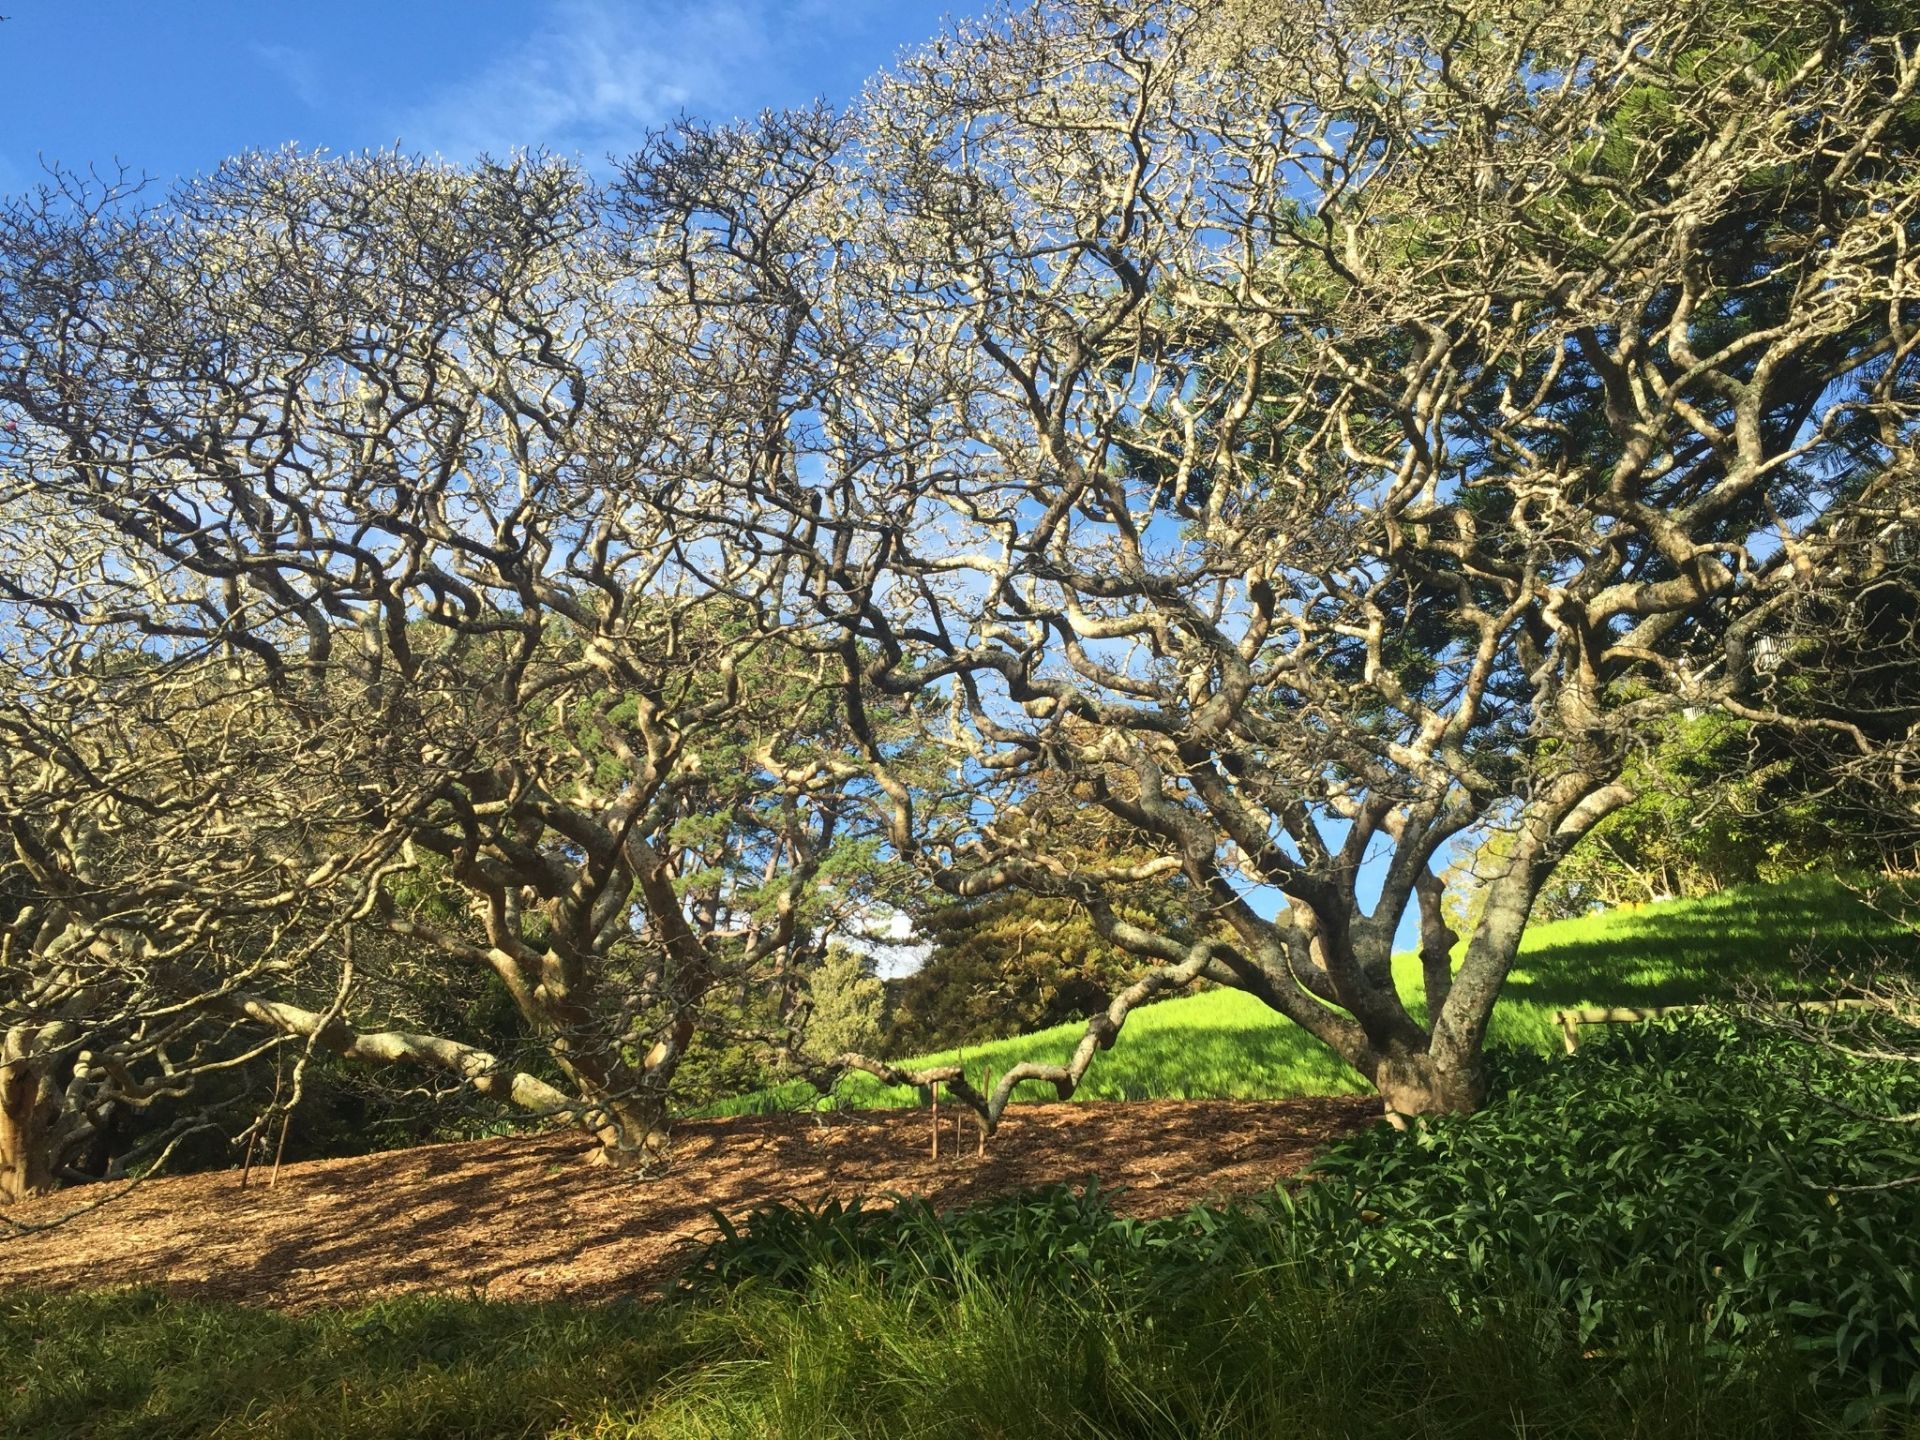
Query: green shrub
1699, 1168
1058, 1237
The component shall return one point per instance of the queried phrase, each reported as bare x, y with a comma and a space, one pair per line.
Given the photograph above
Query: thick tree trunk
29, 1113
631, 1132
635, 1098
1417, 1083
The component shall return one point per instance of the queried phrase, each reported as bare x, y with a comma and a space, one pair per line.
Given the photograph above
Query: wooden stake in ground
936, 1125
259, 1135
280, 1150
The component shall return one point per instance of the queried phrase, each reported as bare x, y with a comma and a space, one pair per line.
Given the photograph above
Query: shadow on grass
1250, 1055
1233, 1061
1798, 937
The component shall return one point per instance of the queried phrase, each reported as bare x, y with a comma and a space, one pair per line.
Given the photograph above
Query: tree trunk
1416, 1083
632, 1132
633, 1128
29, 1110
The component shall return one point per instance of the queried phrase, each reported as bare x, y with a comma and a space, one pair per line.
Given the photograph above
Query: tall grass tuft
1259, 1353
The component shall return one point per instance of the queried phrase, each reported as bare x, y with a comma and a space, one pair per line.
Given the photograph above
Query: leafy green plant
1058, 1235
1707, 1168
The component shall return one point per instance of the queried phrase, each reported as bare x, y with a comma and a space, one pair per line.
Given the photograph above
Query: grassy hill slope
1223, 1044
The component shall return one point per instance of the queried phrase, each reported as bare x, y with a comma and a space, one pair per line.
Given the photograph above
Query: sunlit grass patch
1226, 1045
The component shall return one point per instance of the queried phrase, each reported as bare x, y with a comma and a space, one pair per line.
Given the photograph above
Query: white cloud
886, 937
593, 76
294, 66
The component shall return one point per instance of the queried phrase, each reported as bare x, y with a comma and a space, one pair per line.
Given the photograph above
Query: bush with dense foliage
1721, 803
1007, 962
1707, 1168
1002, 965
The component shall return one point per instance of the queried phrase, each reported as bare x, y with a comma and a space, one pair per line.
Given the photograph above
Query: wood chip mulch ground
528, 1219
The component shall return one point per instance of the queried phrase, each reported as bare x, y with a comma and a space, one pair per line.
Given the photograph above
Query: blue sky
170, 87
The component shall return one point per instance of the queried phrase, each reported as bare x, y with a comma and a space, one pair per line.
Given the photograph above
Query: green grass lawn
1223, 1044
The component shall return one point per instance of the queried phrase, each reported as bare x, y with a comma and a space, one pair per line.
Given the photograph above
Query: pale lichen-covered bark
1311, 475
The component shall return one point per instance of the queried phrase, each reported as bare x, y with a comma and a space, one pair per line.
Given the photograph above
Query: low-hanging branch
1101, 1032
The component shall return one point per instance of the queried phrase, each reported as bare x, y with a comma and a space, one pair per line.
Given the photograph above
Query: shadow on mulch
527, 1218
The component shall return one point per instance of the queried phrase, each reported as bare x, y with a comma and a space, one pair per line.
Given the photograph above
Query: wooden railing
1570, 1021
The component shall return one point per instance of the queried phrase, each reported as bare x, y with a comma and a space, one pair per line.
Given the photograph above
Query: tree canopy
1304, 436
1322, 435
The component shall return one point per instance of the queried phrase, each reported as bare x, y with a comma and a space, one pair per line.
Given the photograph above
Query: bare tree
383, 438
1307, 436
154, 874
1318, 433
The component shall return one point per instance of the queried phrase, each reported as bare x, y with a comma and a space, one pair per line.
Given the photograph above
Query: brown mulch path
527, 1219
